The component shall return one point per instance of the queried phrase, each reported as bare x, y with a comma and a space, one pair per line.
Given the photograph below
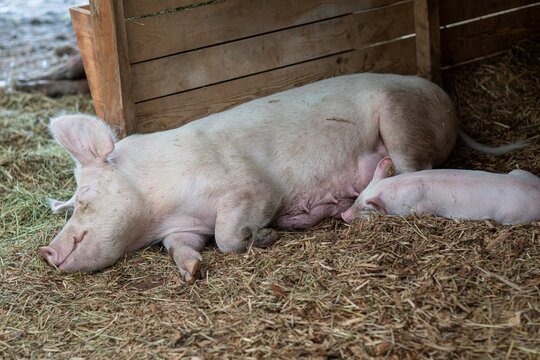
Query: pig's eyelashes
82, 200
83, 204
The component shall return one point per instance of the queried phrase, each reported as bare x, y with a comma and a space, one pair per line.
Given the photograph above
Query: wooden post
428, 39
112, 62
82, 24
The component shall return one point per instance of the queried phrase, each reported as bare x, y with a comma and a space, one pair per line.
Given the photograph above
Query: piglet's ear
377, 205
86, 138
384, 169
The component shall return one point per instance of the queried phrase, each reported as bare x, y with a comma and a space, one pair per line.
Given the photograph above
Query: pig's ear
384, 169
87, 139
377, 205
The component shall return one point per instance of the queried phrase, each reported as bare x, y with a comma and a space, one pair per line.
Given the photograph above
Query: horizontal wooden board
172, 33
382, 24
274, 50
178, 109
452, 11
487, 36
240, 58
136, 8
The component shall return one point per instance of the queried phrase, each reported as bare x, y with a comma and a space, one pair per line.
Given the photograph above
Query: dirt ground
389, 288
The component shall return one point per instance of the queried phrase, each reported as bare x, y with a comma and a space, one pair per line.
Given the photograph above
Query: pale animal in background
512, 198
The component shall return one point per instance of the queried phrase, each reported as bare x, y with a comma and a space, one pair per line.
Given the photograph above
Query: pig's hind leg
185, 249
243, 217
418, 128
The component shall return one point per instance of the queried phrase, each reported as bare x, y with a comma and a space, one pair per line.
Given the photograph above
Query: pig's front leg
185, 250
243, 217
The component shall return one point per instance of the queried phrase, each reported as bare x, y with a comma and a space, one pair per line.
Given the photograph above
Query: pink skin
95, 236
511, 198
334, 198
288, 160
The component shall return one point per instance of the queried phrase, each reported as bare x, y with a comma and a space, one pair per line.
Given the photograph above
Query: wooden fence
154, 65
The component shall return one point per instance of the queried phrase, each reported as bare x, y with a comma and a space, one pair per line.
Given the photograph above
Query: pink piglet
511, 198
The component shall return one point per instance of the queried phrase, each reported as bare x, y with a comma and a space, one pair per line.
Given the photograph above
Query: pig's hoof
265, 237
191, 272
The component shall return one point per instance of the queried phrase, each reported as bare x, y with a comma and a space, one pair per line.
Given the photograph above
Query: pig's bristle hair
112, 131
389, 288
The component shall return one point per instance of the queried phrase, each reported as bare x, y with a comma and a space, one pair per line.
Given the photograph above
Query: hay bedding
398, 288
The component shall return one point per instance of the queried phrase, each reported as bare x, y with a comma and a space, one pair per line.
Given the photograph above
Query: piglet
511, 198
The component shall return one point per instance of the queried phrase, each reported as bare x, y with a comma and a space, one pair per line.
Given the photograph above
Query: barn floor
398, 288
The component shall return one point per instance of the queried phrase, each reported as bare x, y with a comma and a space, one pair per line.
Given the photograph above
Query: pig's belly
330, 197
299, 216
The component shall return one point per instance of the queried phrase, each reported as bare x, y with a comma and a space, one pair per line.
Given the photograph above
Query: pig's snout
50, 255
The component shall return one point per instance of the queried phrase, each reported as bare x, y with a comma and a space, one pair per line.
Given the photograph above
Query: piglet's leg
243, 218
185, 250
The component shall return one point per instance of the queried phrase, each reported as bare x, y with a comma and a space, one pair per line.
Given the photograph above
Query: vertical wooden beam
113, 64
81, 20
428, 39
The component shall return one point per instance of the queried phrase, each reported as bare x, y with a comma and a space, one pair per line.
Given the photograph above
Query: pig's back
326, 124
317, 130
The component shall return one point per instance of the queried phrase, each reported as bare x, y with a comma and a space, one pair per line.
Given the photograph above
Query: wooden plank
382, 24
453, 11
428, 39
176, 32
137, 8
178, 109
82, 25
487, 36
261, 53
113, 65
240, 58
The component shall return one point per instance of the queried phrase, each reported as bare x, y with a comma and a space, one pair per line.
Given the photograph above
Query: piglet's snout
50, 255
349, 215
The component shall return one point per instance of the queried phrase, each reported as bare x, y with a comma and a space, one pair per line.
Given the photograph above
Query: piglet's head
106, 205
369, 199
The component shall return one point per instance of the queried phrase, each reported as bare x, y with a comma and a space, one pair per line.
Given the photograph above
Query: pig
286, 161
512, 198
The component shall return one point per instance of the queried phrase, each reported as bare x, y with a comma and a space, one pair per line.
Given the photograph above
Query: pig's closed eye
82, 204
82, 196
